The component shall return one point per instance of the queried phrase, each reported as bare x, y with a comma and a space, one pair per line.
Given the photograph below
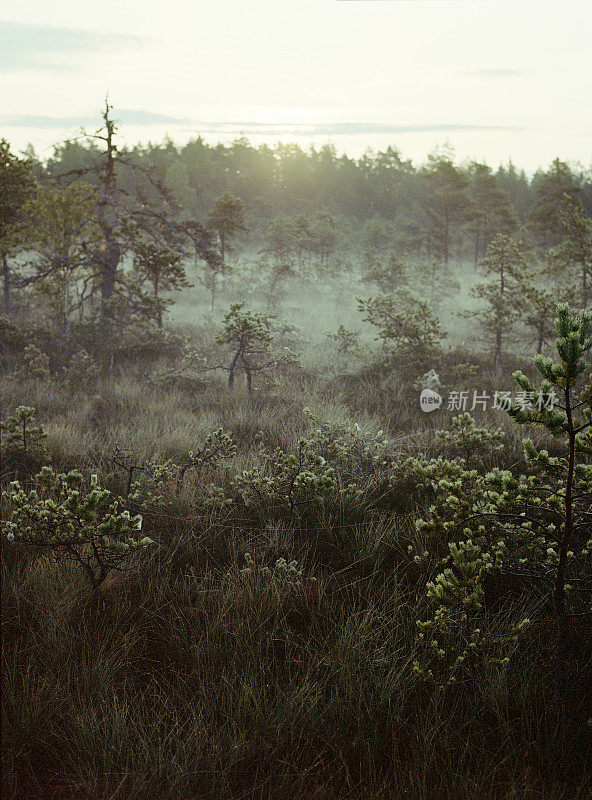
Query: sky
497, 79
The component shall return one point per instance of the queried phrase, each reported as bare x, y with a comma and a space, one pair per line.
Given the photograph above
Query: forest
296, 474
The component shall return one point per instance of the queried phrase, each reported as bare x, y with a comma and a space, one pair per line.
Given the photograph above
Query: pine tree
227, 219
533, 526
406, 324
574, 252
16, 188
546, 215
161, 267
246, 338
388, 273
568, 491
62, 226
505, 262
491, 212
447, 203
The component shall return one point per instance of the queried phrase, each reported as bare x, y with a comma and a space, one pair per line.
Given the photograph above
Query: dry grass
197, 681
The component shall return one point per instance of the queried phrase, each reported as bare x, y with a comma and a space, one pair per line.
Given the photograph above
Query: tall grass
196, 679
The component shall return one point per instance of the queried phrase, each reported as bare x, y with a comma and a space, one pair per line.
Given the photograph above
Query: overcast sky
498, 79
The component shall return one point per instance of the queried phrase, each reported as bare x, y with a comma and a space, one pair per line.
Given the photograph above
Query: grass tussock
209, 672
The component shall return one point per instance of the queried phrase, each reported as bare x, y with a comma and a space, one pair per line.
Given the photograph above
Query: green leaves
404, 321
291, 481
227, 219
245, 328
469, 441
36, 364
532, 525
331, 462
247, 339
460, 584
16, 187
160, 265
79, 521
20, 436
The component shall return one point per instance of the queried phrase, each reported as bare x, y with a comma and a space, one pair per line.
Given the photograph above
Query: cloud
499, 73
125, 116
139, 117
142, 118
356, 128
34, 47
343, 128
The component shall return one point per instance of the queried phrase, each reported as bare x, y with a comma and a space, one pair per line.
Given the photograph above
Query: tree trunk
78, 301
110, 255
564, 543
67, 310
497, 356
158, 306
231, 371
248, 376
477, 244
6, 307
108, 261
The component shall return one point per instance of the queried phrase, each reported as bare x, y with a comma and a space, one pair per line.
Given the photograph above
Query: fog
296, 404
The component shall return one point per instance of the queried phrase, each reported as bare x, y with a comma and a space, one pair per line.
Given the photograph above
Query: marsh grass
196, 679
199, 681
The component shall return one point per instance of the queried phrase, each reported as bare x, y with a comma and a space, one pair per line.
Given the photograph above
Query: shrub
246, 341
345, 341
76, 521
21, 439
469, 441
531, 526
82, 370
332, 461
409, 331
292, 482
218, 446
36, 364
354, 453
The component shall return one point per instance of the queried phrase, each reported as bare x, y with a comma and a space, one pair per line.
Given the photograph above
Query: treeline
436, 209
102, 234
